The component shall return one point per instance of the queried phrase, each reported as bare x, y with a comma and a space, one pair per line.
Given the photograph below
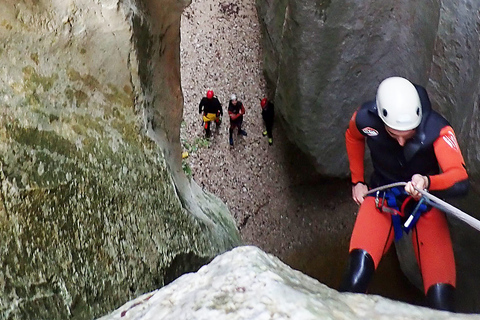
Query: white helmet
233, 97
398, 104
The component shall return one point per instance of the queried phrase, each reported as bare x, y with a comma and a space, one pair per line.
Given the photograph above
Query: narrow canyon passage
278, 201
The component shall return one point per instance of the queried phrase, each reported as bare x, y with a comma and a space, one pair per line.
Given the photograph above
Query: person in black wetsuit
212, 111
268, 114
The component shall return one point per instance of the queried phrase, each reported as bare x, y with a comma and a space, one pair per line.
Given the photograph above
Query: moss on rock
90, 216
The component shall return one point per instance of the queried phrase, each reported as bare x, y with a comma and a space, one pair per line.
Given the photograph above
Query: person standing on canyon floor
236, 110
212, 111
408, 142
268, 114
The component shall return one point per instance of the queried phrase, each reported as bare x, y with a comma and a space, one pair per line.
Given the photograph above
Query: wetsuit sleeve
355, 143
200, 105
450, 160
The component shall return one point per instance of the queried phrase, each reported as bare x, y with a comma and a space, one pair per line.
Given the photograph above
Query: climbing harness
387, 200
431, 200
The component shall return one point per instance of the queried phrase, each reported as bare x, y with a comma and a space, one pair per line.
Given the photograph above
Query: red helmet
209, 94
263, 103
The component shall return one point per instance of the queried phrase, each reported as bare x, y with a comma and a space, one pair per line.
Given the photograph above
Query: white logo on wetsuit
449, 138
370, 132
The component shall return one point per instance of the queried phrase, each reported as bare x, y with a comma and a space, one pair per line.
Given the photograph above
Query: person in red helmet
268, 114
408, 142
212, 111
236, 110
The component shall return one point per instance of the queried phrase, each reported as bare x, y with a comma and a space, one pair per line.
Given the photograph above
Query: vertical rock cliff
454, 82
95, 208
324, 58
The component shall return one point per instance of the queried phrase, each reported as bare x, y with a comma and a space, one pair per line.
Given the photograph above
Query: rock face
95, 208
247, 283
454, 81
324, 58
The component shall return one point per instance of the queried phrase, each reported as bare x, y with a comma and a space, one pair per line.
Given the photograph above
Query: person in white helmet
236, 110
408, 142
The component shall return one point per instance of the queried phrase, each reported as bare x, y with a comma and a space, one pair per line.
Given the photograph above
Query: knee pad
359, 272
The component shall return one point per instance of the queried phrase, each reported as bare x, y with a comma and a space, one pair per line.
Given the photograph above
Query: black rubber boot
359, 272
208, 133
242, 132
230, 137
441, 296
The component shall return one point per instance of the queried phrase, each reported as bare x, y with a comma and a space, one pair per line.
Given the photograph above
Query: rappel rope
437, 203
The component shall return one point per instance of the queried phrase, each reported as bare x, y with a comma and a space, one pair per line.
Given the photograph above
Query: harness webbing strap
397, 226
390, 197
437, 203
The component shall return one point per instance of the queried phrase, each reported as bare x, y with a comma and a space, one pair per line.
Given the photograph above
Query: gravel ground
280, 204
278, 201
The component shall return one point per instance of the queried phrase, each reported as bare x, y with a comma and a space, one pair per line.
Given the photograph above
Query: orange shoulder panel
355, 143
450, 160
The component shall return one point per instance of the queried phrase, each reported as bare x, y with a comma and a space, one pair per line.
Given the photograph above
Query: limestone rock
322, 59
453, 82
94, 207
246, 283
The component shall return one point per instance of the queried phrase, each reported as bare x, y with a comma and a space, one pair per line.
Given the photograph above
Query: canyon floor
278, 201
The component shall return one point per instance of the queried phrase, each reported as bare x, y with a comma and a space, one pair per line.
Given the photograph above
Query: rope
448, 208
437, 203
387, 186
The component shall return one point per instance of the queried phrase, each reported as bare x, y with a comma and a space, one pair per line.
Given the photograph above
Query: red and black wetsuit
233, 110
432, 152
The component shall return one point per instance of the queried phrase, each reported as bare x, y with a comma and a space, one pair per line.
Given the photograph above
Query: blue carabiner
417, 212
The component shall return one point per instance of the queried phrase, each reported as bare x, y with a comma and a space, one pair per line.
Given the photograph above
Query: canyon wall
95, 208
323, 59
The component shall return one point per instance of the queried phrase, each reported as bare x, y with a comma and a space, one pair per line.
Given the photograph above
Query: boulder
323, 59
247, 283
454, 83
